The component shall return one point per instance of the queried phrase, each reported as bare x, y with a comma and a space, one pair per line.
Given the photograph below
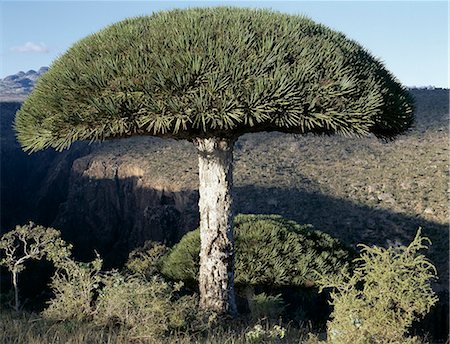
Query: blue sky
411, 37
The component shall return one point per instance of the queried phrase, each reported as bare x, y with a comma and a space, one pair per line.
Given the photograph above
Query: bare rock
386, 197
428, 211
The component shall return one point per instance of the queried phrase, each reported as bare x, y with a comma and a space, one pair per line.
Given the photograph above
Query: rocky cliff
104, 198
115, 204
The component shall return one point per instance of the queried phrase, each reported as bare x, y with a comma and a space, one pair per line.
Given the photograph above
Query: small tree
377, 303
30, 242
209, 75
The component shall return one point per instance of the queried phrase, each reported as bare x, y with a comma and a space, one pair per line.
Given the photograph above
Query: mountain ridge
17, 87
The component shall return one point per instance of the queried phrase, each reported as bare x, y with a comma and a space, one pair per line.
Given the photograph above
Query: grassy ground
31, 329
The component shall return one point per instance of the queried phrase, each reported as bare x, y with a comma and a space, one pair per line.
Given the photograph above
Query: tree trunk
216, 279
16, 291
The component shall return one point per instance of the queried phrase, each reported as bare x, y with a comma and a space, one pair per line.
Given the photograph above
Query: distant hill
17, 86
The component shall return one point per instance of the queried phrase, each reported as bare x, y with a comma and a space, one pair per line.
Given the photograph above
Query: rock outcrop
32, 186
104, 198
113, 207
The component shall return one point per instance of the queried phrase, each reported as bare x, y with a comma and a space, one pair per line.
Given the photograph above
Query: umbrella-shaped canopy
212, 72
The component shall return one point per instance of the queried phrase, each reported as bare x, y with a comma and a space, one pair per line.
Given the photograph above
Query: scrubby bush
388, 290
266, 306
270, 250
140, 304
74, 285
146, 308
144, 261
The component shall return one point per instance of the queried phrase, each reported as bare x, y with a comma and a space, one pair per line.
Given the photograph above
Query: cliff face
108, 198
32, 186
114, 206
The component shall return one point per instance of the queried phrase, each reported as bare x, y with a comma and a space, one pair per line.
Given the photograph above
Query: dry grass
28, 328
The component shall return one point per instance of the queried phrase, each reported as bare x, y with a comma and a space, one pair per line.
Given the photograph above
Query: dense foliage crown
212, 72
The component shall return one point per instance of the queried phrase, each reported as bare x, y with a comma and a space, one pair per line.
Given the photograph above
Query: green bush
144, 261
139, 304
270, 250
145, 308
74, 285
388, 290
260, 335
266, 306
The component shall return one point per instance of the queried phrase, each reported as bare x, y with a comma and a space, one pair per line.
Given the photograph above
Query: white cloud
30, 47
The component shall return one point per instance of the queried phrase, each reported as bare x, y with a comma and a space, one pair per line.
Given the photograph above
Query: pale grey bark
216, 279
16, 290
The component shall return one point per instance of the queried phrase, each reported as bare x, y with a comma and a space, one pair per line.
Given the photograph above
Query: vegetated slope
113, 196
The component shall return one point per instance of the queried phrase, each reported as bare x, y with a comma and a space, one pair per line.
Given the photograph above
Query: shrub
260, 335
270, 250
74, 285
182, 262
266, 306
388, 290
145, 261
146, 308
139, 304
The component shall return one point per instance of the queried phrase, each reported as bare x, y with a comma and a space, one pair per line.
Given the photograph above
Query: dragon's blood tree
209, 75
